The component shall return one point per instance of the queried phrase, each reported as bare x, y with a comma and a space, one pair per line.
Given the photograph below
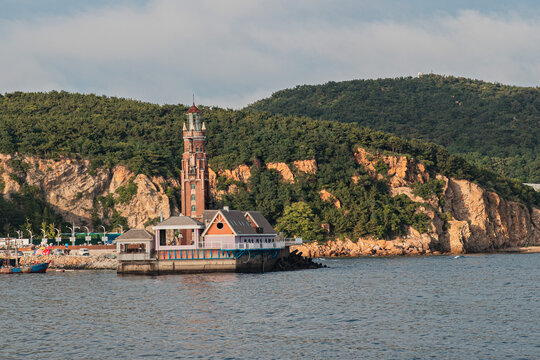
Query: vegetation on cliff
490, 124
147, 139
26, 210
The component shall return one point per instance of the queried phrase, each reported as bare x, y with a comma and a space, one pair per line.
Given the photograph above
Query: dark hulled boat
34, 268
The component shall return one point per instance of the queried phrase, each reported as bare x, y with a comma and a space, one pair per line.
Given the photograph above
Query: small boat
35, 268
24, 269
6, 270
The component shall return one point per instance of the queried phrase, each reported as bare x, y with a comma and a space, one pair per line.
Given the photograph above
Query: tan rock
283, 169
328, 196
72, 191
241, 173
307, 166
493, 222
148, 203
459, 234
401, 170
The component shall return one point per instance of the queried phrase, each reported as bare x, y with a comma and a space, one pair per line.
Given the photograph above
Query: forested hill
147, 138
490, 124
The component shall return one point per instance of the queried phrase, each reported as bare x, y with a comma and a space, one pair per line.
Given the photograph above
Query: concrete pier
248, 260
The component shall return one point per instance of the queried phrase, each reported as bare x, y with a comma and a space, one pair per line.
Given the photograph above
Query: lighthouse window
192, 186
193, 208
192, 197
219, 225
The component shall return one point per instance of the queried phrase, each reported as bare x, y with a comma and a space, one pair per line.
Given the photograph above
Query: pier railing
226, 245
134, 256
293, 241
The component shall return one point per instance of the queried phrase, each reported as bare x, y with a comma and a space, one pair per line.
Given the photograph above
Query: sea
437, 307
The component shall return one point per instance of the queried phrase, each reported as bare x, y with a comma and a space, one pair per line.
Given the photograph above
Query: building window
192, 197
219, 225
192, 208
192, 186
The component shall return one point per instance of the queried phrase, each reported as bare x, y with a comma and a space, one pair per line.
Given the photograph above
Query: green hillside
147, 138
490, 124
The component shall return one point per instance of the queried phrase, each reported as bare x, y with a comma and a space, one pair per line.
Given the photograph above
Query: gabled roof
179, 222
208, 215
193, 109
238, 223
136, 234
259, 220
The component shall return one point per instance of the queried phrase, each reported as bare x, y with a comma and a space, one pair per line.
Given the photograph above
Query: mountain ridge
146, 139
489, 124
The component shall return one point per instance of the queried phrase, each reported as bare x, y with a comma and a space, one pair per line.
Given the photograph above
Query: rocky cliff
465, 217
76, 192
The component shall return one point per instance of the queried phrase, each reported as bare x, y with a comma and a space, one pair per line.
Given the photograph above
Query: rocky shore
399, 247
296, 261
346, 247
93, 262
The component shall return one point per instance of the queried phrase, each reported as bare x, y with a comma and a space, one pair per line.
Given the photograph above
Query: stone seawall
73, 262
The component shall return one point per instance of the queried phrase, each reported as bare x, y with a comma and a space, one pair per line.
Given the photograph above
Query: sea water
441, 307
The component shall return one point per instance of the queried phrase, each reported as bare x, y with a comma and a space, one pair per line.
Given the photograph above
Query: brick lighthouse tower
194, 174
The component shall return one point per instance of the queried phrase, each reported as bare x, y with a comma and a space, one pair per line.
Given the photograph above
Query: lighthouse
194, 174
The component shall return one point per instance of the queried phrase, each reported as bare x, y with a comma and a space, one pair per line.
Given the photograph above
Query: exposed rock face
70, 188
471, 220
241, 173
327, 196
283, 169
401, 170
150, 202
306, 166
492, 222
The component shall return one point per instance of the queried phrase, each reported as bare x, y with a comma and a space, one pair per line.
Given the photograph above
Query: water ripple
421, 307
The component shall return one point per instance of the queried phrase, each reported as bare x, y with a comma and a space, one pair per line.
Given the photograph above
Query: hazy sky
233, 52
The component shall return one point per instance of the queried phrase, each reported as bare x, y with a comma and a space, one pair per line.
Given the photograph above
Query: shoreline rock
388, 248
93, 262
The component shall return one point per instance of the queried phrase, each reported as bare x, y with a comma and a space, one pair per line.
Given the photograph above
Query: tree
299, 220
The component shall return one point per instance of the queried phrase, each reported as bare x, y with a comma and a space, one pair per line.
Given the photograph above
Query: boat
34, 268
6, 270
24, 269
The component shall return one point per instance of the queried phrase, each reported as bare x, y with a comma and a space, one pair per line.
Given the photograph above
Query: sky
234, 52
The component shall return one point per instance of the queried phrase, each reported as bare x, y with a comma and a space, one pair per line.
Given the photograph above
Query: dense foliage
26, 211
147, 139
490, 124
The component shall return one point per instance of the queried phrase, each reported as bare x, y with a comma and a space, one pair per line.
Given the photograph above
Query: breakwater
93, 262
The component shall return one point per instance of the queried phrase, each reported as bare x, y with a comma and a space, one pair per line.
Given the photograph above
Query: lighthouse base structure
204, 261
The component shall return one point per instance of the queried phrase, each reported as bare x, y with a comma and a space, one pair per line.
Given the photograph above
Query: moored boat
6, 270
33, 268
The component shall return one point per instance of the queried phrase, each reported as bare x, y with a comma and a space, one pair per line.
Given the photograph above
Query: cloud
232, 53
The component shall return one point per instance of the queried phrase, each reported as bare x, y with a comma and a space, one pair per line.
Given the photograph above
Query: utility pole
73, 238
104, 238
44, 240
87, 238
58, 237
